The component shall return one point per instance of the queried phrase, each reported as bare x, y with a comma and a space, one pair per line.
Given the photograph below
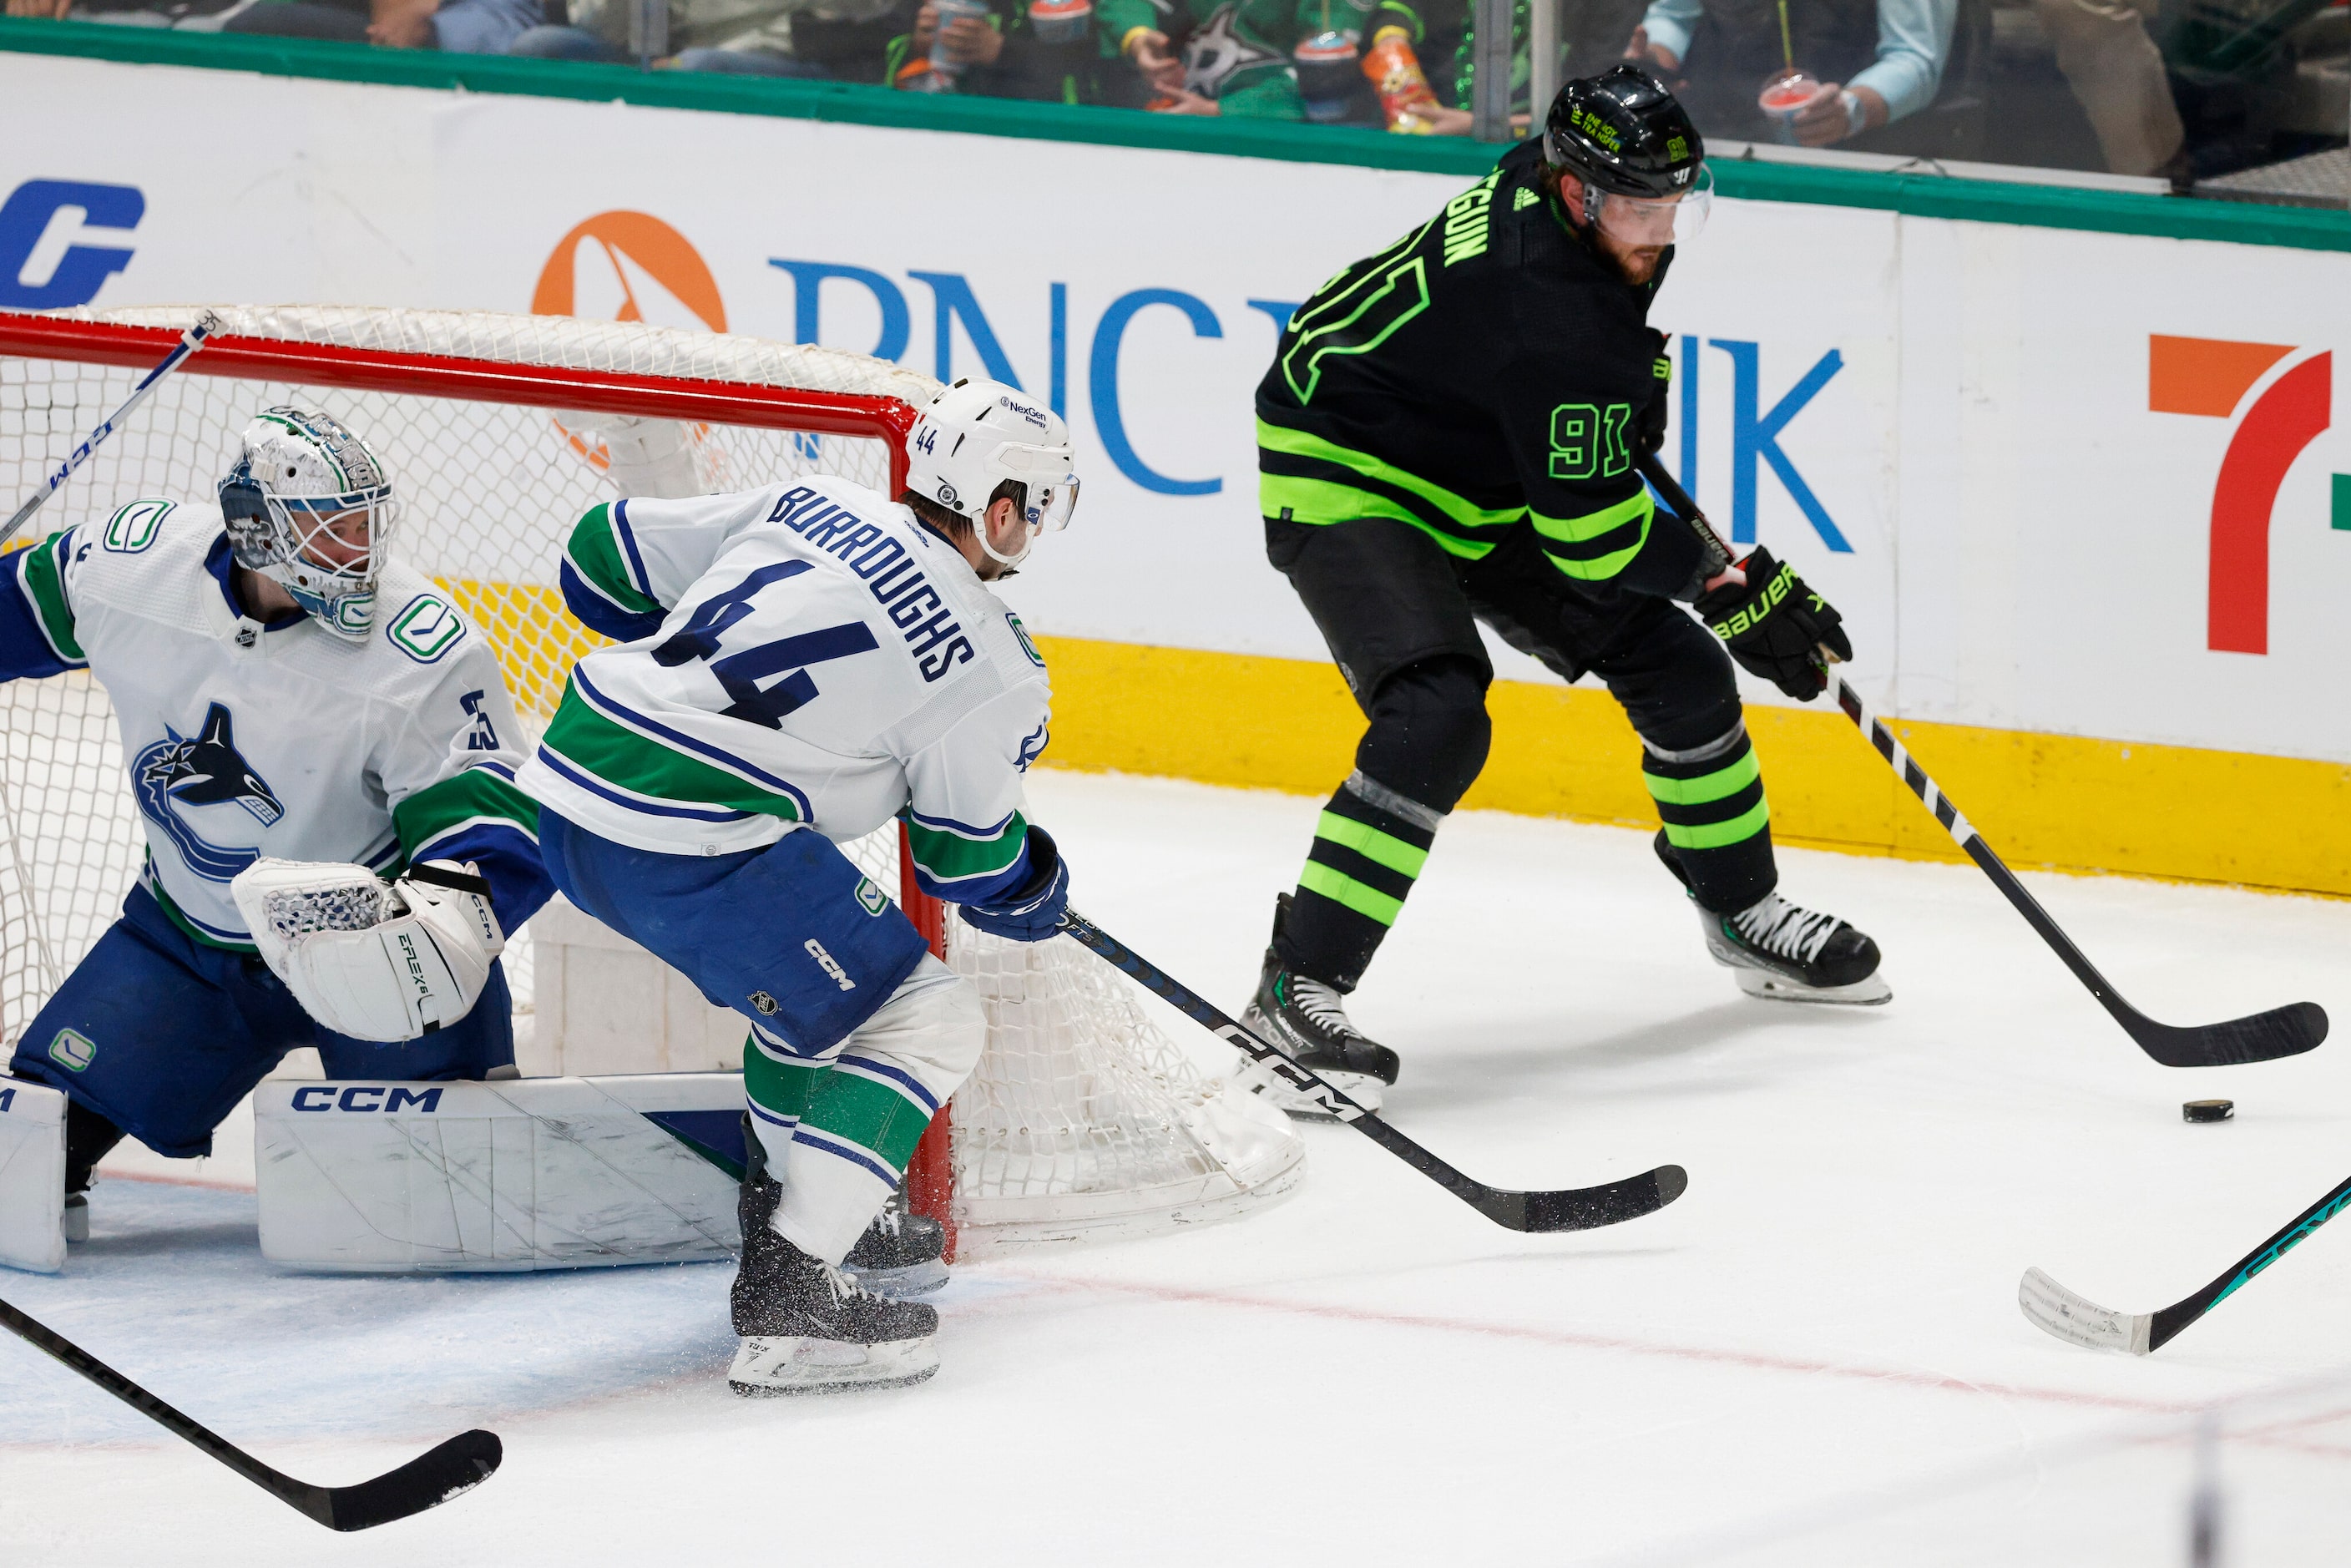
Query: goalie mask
309, 507
976, 435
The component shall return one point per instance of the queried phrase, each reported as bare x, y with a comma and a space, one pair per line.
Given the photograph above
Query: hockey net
1082, 1119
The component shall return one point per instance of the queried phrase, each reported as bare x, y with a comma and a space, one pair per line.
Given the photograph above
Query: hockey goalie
322, 753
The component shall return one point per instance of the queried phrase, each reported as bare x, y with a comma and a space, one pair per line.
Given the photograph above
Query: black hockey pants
1400, 616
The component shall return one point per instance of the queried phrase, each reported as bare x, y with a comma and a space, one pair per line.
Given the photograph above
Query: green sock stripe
1379, 847
1344, 890
1706, 787
1717, 835
872, 1115
779, 1088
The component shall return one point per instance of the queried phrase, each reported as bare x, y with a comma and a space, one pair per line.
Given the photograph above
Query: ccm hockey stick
2080, 1321
2288, 1030
1571, 1208
459, 1464
190, 341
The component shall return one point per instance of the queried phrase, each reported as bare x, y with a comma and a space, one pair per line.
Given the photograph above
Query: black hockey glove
1032, 912
1776, 627
1649, 424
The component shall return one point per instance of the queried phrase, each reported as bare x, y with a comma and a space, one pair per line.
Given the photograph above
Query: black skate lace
1320, 1003
1789, 930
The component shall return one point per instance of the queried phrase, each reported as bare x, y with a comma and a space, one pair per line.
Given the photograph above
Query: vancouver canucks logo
173, 774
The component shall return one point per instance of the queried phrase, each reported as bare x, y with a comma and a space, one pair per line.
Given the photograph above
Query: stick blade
2288, 1030
1588, 1208
2077, 1320
428, 1480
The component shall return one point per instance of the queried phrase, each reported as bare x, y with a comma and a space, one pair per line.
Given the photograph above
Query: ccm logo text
385, 1097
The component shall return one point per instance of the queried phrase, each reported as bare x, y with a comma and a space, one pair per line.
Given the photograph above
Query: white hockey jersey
806, 654
244, 740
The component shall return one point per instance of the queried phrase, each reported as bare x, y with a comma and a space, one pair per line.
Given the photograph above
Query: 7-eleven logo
2211, 377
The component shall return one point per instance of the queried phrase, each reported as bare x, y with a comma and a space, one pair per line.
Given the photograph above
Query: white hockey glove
367, 959
644, 456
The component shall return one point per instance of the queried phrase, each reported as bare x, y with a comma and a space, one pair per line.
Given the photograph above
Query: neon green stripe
48, 592
618, 755
1591, 525
1379, 847
1707, 787
1321, 501
1714, 835
474, 793
951, 857
1340, 888
1299, 444
594, 553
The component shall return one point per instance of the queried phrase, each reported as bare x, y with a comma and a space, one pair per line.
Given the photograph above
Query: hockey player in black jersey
1449, 435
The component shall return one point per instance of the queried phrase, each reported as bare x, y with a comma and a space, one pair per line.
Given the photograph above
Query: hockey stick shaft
2262, 1037
1569, 1210
455, 1466
190, 341
2170, 1319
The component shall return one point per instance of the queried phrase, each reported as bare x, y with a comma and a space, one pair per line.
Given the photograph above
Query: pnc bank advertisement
2057, 481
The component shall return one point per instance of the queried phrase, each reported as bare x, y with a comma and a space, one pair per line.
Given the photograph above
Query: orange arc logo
632, 239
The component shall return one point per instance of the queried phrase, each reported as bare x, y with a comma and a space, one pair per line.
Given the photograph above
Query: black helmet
1624, 133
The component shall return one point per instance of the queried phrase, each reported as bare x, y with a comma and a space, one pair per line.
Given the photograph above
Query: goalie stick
190, 341
2288, 1030
2080, 1321
1569, 1208
459, 1464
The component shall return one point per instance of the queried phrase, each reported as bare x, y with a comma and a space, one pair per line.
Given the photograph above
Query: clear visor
1645, 221
1052, 487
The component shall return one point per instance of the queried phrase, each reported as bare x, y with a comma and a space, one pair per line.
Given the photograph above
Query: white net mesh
1082, 1118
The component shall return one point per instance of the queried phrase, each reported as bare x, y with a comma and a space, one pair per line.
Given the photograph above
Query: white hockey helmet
973, 436
309, 507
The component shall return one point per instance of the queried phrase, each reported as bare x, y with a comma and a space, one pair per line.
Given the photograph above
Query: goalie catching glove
1776, 627
368, 959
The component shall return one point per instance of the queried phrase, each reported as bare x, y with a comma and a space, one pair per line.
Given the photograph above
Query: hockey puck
2208, 1110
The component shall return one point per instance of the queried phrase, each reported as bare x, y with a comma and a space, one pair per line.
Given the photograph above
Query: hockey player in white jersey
800, 664
283, 693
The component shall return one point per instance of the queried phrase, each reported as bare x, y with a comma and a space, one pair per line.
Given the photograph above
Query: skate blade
898, 1284
768, 1367
1869, 991
77, 1220
1364, 1088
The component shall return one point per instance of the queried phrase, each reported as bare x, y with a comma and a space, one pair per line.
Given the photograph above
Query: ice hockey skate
1786, 953
1307, 1019
809, 1328
901, 1254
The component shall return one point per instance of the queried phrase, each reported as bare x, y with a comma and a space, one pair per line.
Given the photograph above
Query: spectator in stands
2116, 72
457, 27
1043, 50
1236, 56
1440, 38
1873, 61
840, 40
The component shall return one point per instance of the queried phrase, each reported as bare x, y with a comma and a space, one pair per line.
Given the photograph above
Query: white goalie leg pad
32, 1177
920, 1047
767, 1366
526, 1174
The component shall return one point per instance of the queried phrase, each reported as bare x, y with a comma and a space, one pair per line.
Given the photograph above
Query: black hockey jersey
1481, 375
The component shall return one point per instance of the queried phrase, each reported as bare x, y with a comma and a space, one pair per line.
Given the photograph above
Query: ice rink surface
1814, 1357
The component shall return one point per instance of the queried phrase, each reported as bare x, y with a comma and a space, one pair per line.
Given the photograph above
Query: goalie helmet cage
1081, 1120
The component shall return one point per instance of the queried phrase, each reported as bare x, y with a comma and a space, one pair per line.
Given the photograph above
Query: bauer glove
1032, 912
1776, 627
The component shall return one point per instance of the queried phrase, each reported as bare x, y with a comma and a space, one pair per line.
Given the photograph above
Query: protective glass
1654, 220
